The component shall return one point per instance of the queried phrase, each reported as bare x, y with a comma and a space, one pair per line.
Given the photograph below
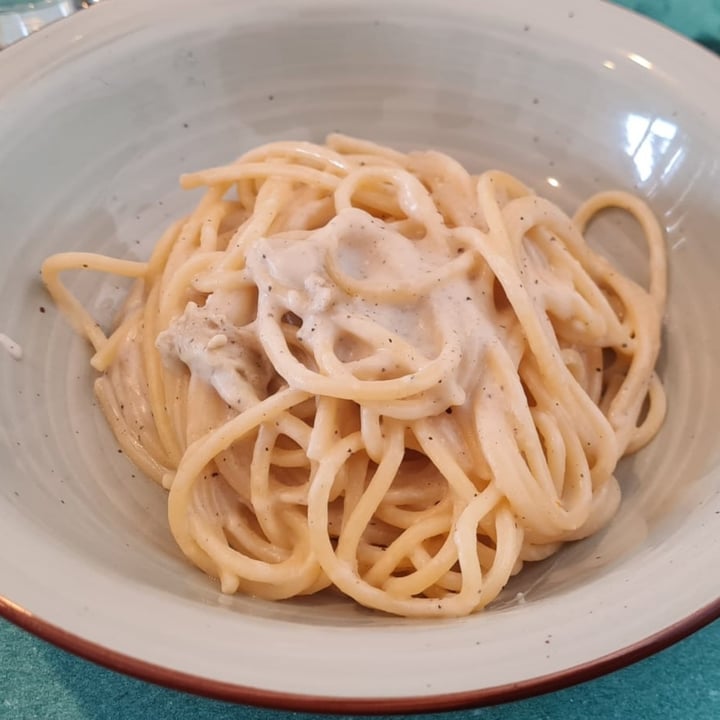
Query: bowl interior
134, 96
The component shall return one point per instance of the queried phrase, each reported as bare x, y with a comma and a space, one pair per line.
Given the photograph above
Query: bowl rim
245, 694
366, 705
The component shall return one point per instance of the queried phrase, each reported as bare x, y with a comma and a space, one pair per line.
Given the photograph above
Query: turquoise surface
39, 681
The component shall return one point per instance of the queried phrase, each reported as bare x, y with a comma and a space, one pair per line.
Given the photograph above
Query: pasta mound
359, 368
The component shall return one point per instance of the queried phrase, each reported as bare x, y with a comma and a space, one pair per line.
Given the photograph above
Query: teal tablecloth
40, 681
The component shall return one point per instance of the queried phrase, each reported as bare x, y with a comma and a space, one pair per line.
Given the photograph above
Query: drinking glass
19, 19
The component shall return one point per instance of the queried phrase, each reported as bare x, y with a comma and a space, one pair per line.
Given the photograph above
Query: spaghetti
359, 368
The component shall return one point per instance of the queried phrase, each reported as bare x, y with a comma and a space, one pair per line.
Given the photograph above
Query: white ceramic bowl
100, 114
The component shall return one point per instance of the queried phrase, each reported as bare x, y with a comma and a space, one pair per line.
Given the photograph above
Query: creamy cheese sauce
306, 274
395, 300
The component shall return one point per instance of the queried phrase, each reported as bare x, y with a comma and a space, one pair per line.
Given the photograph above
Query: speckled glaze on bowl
98, 117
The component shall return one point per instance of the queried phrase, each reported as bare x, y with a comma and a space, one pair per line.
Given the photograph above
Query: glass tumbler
18, 19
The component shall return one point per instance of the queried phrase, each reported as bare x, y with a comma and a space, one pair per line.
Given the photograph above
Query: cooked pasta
359, 368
